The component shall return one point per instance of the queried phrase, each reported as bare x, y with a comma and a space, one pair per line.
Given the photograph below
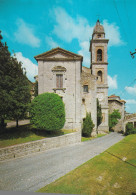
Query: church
61, 72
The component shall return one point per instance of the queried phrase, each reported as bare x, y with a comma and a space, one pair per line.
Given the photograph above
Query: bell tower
98, 49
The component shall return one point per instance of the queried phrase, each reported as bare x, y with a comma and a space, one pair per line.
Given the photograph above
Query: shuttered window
59, 81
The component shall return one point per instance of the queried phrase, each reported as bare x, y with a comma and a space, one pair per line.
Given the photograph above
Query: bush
87, 125
47, 112
130, 129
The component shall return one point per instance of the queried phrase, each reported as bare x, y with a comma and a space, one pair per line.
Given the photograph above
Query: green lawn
90, 138
26, 133
113, 172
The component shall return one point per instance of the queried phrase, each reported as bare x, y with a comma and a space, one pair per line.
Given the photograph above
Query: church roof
63, 55
98, 28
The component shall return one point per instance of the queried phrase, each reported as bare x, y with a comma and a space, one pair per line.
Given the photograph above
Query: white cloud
131, 90
131, 105
31, 68
51, 42
131, 101
85, 52
25, 34
112, 33
68, 28
112, 82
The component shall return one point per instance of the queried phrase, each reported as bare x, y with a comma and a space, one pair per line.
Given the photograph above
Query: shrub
47, 112
130, 129
87, 125
99, 113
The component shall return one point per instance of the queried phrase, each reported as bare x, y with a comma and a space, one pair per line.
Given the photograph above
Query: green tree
47, 112
14, 88
21, 93
130, 129
36, 89
5, 81
99, 113
113, 118
87, 125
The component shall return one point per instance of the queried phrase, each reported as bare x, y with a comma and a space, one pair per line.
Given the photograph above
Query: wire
114, 2
123, 91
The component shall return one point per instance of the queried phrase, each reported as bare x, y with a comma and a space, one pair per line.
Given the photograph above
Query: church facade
61, 71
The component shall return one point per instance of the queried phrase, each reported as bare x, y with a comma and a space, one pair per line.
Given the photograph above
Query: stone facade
61, 71
98, 49
115, 103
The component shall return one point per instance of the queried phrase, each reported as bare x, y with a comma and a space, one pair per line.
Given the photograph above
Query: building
115, 103
61, 71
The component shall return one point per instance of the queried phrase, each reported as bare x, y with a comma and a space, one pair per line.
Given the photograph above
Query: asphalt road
37, 170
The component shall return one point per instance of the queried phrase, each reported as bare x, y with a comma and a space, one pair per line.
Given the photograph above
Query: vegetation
48, 112
36, 89
90, 138
14, 87
130, 129
113, 119
26, 133
111, 172
99, 113
87, 125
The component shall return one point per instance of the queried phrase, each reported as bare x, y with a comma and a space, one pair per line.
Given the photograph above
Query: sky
32, 27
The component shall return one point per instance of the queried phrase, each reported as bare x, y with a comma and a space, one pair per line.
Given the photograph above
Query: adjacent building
115, 103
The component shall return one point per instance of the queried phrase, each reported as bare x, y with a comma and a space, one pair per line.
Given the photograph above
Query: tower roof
98, 28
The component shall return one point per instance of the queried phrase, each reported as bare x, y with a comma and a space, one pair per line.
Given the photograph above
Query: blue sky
31, 27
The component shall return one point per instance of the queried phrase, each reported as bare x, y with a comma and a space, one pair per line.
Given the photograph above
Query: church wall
70, 94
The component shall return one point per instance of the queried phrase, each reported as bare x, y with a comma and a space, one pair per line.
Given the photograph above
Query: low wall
19, 150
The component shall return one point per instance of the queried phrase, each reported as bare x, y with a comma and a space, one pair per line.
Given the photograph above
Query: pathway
33, 172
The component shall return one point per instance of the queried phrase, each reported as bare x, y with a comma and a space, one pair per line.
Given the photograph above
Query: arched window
99, 75
99, 55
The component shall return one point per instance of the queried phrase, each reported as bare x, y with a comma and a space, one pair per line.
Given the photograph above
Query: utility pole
132, 54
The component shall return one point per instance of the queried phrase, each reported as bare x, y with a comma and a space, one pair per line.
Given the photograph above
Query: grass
90, 138
105, 174
26, 133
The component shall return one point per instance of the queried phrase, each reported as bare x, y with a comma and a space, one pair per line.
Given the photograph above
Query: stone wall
20, 150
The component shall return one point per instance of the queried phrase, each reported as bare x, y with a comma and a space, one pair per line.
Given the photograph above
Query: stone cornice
99, 40
58, 59
99, 63
67, 55
102, 86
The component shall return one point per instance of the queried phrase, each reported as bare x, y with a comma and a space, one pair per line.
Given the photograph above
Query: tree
130, 129
99, 113
5, 81
113, 118
21, 93
87, 125
47, 112
14, 88
36, 89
